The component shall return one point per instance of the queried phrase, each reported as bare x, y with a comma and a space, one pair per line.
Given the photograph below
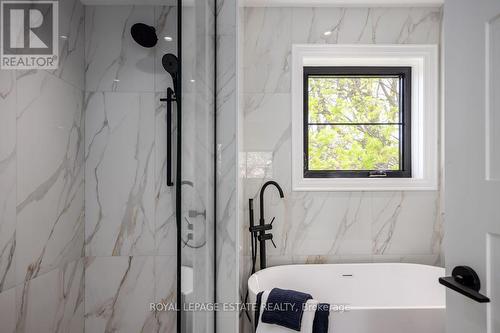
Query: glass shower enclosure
195, 166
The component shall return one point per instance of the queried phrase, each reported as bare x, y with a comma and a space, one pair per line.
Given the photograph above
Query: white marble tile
166, 26
191, 50
71, 43
120, 174
41, 189
72, 310
267, 46
269, 33
267, 118
7, 178
8, 310
366, 25
118, 293
424, 259
165, 222
197, 48
403, 222
319, 259
336, 224
316, 224
49, 230
166, 291
113, 60
52, 302
317, 25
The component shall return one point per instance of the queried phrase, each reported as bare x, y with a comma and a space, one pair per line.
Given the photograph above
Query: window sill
363, 184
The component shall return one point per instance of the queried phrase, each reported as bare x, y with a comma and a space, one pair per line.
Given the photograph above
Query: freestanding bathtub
368, 298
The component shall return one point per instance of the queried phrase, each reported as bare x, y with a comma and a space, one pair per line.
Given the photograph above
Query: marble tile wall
319, 227
42, 189
7, 178
130, 243
130, 216
124, 235
51, 302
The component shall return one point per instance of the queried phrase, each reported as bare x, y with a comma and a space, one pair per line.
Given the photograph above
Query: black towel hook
465, 281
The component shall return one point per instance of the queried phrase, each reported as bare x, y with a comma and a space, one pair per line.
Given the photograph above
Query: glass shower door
197, 165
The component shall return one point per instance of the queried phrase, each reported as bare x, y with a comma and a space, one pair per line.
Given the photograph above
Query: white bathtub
383, 298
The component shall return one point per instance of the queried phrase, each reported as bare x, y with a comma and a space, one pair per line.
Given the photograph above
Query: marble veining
119, 174
71, 43
41, 189
113, 61
269, 33
41, 198
119, 290
7, 179
52, 302
49, 230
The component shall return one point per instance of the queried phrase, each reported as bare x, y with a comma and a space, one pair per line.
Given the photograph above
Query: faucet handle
272, 220
274, 244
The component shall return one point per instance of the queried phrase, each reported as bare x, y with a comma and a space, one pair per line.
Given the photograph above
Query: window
364, 117
357, 122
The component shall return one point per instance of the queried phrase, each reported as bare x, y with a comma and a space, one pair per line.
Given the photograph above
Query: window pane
353, 99
354, 147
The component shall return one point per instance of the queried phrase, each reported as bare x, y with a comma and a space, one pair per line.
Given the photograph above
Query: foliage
356, 140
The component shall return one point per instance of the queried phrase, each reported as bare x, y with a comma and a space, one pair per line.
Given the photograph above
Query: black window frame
404, 74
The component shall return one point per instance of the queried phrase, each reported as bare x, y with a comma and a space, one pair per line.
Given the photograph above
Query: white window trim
425, 113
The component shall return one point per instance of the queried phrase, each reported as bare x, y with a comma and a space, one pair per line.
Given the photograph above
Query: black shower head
144, 35
171, 65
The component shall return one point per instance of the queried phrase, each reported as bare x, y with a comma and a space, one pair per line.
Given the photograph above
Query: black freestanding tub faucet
263, 237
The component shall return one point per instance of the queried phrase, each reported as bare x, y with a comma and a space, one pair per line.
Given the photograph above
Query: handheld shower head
144, 35
171, 65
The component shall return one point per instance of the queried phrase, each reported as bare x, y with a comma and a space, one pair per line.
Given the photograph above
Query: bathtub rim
253, 281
